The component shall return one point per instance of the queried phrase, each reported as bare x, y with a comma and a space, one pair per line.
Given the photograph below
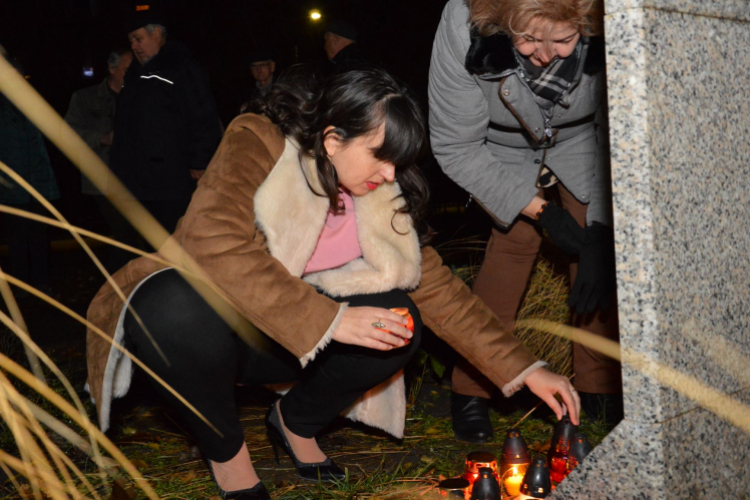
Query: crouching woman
306, 219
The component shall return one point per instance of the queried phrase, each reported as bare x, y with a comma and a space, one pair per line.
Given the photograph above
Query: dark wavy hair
304, 103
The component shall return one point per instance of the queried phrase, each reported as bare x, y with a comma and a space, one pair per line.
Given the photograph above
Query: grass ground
378, 466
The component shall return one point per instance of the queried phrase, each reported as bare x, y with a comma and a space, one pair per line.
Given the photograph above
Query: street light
315, 15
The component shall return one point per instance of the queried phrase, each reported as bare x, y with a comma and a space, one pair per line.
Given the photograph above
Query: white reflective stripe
157, 76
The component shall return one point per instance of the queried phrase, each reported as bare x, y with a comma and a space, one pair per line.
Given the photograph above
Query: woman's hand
595, 284
358, 327
546, 385
562, 229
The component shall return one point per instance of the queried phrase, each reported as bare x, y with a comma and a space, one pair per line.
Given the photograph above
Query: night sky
55, 39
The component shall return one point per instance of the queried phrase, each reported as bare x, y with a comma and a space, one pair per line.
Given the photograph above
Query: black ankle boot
471, 418
326, 471
257, 492
606, 408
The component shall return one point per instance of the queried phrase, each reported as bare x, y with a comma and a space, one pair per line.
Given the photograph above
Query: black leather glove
561, 228
595, 283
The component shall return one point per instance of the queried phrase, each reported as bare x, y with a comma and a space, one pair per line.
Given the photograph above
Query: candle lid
580, 447
536, 482
564, 430
486, 486
515, 450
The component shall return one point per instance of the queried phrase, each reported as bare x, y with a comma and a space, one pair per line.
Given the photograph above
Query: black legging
207, 359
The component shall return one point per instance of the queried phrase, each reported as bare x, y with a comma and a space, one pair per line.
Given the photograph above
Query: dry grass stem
546, 299
97, 331
26, 428
31, 345
20, 373
69, 435
719, 403
15, 313
41, 114
46, 204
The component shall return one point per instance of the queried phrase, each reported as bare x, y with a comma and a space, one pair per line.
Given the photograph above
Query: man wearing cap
167, 127
262, 67
341, 47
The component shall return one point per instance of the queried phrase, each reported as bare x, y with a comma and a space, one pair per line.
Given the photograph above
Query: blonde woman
517, 118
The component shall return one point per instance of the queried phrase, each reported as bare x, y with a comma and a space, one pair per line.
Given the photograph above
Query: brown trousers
501, 284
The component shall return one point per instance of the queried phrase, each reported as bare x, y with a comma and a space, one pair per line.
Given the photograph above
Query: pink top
337, 243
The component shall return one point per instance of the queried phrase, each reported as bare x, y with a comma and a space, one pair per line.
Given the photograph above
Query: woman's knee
170, 315
400, 299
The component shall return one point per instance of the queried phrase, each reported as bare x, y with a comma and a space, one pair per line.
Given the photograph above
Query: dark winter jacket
22, 149
166, 125
350, 58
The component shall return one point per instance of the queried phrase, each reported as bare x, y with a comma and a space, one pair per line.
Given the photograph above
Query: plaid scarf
551, 84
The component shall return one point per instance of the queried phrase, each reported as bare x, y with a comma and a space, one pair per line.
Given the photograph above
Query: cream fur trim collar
292, 217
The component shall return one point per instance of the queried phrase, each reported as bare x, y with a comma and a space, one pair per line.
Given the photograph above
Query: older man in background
167, 127
91, 114
262, 67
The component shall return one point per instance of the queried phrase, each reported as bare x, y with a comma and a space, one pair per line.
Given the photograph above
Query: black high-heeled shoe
326, 471
257, 492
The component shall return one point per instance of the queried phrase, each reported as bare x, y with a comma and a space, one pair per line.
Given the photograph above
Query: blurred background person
91, 114
341, 47
22, 149
166, 128
262, 67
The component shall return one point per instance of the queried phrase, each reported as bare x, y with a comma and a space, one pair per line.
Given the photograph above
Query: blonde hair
514, 16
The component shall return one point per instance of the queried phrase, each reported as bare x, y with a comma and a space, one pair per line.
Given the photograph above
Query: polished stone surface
696, 455
633, 207
679, 175
626, 465
725, 9
678, 77
706, 456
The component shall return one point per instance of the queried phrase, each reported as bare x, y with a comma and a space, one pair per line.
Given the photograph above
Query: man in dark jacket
167, 127
22, 149
341, 47
91, 114
262, 67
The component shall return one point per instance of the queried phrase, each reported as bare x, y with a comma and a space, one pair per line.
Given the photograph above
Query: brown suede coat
223, 231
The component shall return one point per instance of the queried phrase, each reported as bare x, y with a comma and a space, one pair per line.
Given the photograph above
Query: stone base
694, 455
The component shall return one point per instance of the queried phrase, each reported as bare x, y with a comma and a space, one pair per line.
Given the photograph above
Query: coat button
537, 161
506, 92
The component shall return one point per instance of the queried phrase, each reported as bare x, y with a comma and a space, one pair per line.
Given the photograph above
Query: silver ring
573, 390
378, 324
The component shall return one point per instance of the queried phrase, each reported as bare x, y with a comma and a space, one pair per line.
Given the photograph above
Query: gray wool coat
485, 123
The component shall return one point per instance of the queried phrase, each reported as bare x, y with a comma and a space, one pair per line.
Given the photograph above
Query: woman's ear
331, 140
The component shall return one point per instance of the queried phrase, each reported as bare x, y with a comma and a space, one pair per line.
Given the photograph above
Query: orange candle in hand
403, 311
